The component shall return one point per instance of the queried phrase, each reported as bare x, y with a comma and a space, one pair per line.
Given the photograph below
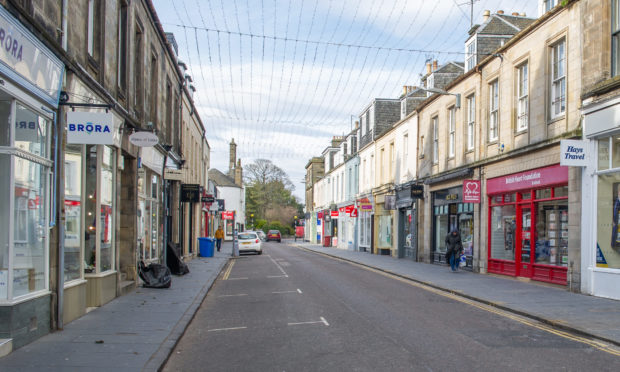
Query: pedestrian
219, 235
454, 248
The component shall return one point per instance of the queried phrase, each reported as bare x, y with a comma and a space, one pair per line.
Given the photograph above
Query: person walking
219, 235
454, 248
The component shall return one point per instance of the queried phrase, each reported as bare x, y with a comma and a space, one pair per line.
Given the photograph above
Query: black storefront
406, 196
449, 212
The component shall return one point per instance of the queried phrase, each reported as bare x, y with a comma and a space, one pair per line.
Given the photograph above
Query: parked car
262, 235
249, 242
274, 235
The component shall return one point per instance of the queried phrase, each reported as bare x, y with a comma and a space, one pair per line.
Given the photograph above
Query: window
550, 4
405, 152
615, 38
522, 95
73, 212
391, 165
138, 93
371, 116
430, 83
382, 166
93, 31
558, 79
421, 146
470, 55
471, 121
169, 110
403, 108
435, 141
493, 110
452, 131
154, 88
122, 46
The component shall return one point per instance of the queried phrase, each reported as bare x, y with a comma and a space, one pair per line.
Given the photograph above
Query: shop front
385, 205
528, 224
450, 212
365, 218
600, 259
346, 227
30, 81
407, 220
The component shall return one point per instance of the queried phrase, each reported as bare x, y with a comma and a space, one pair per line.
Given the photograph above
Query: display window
24, 153
528, 229
385, 232
73, 212
608, 204
148, 215
99, 209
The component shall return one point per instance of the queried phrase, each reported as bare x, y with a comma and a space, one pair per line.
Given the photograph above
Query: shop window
552, 233
603, 154
31, 131
441, 228
526, 195
543, 193
608, 218
497, 199
615, 152
559, 192
510, 198
73, 212
503, 232
385, 232
5, 218
5, 128
466, 228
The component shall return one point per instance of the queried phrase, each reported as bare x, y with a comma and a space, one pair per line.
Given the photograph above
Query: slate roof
221, 179
502, 24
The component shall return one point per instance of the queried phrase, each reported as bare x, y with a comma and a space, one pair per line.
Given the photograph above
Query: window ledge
602, 87
100, 275
493, 142
556, 119
74, 283
471, 151
520, 132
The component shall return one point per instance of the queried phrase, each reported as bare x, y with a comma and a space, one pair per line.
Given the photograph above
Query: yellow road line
602, 346
228, 270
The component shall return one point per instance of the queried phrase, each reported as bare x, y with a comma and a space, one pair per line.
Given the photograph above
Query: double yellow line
599, 345
228, 269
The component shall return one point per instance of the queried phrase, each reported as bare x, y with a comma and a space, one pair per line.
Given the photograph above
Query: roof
502, 24
220, 179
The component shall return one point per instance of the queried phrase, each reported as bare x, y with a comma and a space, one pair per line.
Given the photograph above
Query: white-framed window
451, 131
430, 83
471, 121
90, 41
391, 165
550, 4
470, 55
382, 166
435, 140
405, 152
403, 108
493, 110
523, 97
615, 37
558, 78
371, 116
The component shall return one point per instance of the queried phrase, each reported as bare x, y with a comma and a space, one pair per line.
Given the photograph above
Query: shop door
525, 240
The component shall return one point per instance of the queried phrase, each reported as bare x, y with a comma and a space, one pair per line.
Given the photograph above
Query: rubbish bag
176, 265
155, 275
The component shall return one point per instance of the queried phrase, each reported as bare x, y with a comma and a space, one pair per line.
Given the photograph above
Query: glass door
525, 249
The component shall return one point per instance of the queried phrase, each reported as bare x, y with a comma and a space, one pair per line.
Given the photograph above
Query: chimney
522, 14
232, 157
435, 65
500, 12
357, 124
239, 174
516, 14
405, 90
428, 68
486, 15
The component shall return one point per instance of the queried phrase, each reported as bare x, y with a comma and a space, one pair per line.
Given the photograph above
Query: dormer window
403, 108
550, 4
470, 55
430, 83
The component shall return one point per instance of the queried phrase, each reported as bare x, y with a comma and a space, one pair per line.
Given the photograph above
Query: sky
282, 78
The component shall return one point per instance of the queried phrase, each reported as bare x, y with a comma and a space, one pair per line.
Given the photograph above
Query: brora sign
573, 153
90, 128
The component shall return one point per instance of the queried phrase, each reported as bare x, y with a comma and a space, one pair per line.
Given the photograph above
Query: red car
274, 235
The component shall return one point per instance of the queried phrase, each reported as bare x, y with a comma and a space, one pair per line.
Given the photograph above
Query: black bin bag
155, 275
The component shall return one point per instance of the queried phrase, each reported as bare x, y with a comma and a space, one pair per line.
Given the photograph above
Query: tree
269, 193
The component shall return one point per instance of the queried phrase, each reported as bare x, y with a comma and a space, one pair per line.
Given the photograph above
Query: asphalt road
293, 310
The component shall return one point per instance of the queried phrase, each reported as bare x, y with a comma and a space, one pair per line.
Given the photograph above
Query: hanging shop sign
144, 139
354, 212
174, 174
535, 178
573, 153
207, 198
389, 202
221, 205
334, 213
471, 191
90, 128
417, 191
365, 204
190, 193
27, 61
228, 215
349, 208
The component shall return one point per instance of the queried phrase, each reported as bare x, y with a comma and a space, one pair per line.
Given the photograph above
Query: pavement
138, 331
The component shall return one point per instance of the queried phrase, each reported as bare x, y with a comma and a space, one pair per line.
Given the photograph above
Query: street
290, 309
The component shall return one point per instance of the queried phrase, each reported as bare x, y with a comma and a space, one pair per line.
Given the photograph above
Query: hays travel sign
90, 128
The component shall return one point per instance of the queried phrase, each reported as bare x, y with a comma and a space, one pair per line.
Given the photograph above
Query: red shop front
528, 224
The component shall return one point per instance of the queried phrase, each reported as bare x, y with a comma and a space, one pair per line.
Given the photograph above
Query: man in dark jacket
454, 248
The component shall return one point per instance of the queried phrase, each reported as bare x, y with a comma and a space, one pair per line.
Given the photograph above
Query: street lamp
441, 91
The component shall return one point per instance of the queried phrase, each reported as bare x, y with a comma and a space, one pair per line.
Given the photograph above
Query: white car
249, 242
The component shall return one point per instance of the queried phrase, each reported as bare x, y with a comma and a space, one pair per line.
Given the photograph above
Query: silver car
249, 242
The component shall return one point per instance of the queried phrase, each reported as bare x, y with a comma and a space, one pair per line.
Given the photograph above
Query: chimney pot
515, 14
500, 12
428, 68
405, 89
486, 15
435, 65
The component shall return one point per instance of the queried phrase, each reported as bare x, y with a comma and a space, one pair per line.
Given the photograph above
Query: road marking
280, 292
316, 322
299, 290
234, 295
279, 267
599, 345
277, 276
237, 278
226, 329
227, 272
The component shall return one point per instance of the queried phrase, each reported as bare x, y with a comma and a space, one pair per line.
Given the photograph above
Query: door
526, 240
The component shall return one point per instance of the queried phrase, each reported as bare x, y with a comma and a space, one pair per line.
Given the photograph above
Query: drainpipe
64, 23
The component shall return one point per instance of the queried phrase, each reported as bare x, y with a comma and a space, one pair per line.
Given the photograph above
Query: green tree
269, 193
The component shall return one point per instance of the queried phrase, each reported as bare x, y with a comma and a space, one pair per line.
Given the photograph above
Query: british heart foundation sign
471, 191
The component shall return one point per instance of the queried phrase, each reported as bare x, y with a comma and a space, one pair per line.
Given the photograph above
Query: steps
6, 346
